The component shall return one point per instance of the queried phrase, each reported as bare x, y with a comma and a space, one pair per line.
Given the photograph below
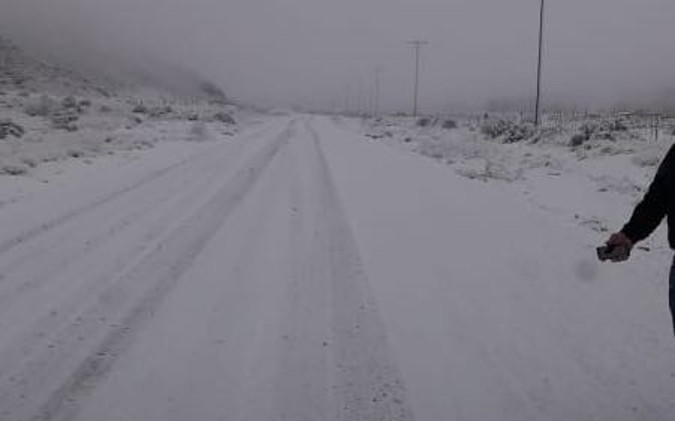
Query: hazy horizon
321, 54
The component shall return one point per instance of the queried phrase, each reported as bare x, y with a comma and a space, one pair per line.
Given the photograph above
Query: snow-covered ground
48, 131
172, 259
301, 270
595, 184
49, 114
496, 307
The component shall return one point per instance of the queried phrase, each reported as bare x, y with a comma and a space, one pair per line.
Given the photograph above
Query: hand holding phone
615, 253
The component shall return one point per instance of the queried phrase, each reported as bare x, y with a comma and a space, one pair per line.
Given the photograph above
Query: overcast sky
321, 52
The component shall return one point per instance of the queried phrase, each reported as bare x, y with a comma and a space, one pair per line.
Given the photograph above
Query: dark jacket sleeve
650, 212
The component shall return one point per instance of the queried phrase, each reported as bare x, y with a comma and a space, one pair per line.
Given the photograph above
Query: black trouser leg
671, 293
672, 303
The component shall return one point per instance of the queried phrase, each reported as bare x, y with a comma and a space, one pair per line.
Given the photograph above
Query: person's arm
650, 212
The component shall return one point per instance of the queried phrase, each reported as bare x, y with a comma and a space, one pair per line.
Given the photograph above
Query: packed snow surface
299, 269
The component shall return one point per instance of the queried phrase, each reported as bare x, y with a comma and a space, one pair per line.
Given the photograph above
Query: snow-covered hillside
49, 113
22, 72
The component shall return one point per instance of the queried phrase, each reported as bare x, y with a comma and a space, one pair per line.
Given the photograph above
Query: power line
417, 45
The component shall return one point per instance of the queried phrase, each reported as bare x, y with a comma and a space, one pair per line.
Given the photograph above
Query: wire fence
651, 126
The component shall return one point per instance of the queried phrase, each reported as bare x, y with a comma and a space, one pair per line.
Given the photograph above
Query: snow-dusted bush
10, 128
41, 107
65, 120
224, 118
507, 131
159, 112
143, 144
69, 102
462, 146
436, 150
199, 132
603, 129
379, 135
491, 170
140, 109
617, 126
578, 139
13, 169
449, 124
75, 153
519, 133
589, 128
28, 161
493, 129
423, 122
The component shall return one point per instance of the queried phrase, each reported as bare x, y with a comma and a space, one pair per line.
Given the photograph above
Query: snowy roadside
497, 309
42, 128
594, 184
60, 174
61, 189
52, 117
53, 140
112, 141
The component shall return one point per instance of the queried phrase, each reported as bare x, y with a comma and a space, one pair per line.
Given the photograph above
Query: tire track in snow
47, 384
71, 265
290, 372
44, 263
51, 224
96, 271
193, 359
59, 254
368, 383
327, 356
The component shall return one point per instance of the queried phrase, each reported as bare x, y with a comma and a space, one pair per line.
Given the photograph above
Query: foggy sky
323, 53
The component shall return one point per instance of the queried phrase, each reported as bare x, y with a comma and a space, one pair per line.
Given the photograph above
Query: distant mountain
105, 74
20, 70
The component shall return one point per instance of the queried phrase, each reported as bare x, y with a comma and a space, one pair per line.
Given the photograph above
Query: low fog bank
90, 37
323, 55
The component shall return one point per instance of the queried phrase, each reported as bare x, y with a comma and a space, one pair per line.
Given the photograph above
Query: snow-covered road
300, 273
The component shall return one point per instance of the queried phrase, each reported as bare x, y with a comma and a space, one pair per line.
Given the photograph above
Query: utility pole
376, 105
537, 111
417, 45
360, 99
347, 99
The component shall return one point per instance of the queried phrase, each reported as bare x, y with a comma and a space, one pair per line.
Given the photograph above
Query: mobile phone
612, 253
